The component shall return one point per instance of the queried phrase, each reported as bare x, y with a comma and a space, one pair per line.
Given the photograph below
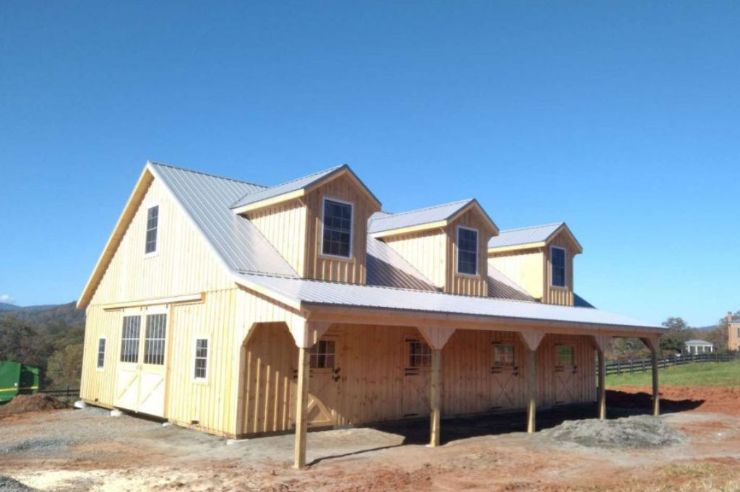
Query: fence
68, 392
638, 365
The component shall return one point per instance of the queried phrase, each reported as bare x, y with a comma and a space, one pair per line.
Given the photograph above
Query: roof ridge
531, 227
430, 207
210, 175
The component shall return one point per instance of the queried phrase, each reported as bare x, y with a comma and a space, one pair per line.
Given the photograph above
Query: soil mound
642, 431
10, 485
31, 403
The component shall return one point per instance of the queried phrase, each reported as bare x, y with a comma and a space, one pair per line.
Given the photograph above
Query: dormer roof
296, 188
383, 224
530, 237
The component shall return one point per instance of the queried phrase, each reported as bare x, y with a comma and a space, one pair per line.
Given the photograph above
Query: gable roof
385, 224
697, 342
293, 189
205, 199
532, 236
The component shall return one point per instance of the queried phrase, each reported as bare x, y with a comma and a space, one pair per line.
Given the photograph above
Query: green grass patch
694, 374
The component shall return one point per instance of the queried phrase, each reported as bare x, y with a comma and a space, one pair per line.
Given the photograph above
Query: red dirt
719, 399
31, 403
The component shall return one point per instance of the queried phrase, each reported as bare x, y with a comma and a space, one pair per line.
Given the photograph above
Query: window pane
201, 358
503, 354
322, 355
152, 221
564, 355
467, 251
130, 339
337, 229
155, 339
420, 355
101, 352
557, 260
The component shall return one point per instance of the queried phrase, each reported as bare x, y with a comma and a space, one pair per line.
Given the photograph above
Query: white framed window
557, 266
101, 353
200, 361
152, 223
467, 251
336, 236
154, 341
323, 355
130, 339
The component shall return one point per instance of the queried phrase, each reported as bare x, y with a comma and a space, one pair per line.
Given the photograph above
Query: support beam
652, 344
301, 425
532, 340
434, 398
602, 385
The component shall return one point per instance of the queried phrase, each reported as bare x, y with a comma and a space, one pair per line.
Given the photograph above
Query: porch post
652, 344
601, 342
301, 425
532, 340
436, 337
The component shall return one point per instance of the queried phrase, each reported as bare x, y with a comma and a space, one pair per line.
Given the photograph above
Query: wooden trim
189, 298
517, 247
440, 224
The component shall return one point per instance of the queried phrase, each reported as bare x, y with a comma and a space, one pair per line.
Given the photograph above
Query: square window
420, 355
323, 355
565, 356
503, 355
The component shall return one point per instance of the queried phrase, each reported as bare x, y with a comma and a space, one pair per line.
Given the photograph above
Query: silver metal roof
206, 200
501, 286
524, 235
327, 293
287, 187
698, 342
385, 267
384, 221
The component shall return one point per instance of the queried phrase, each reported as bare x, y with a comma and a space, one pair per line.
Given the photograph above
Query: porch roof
302, 293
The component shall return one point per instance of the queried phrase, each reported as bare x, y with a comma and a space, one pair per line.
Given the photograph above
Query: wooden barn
241, 310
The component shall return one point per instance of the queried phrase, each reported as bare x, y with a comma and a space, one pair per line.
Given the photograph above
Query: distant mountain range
47, 313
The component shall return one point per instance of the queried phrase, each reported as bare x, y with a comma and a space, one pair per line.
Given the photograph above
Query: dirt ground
90, 450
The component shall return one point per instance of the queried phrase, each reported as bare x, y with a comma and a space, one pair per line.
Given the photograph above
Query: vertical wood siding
426, 251
523, 267
284, 225
318, 266
559, 295
466, 284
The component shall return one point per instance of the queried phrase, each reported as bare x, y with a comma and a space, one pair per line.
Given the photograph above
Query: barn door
140, 374
565, 374
505, 375
416, 379
324, 389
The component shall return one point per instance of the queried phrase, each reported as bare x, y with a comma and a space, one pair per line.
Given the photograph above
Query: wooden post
301, 425
602, 385
656, 394
531, 390
434, 398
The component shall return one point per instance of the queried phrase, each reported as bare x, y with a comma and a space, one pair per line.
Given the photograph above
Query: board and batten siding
373, 382
559, 295
330, 268
426, 251
460, 284
284, 225
523, 267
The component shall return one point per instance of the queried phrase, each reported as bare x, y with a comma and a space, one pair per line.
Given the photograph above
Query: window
155, 338
201, 358
564, 357
557, 262
130, 339
337, 236
323, 355
101, 353
420, 355
467, 251
152, 220
503, 355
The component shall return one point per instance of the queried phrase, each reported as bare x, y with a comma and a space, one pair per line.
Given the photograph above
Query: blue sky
622, 118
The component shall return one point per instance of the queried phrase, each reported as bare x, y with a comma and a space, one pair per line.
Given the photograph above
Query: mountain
7, 307
45, 314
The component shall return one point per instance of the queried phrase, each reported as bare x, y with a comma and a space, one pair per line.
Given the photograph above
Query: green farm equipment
17, 378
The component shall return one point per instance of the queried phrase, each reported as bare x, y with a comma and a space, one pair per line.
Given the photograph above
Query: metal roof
349, 295
206, 199
384, 221
524, 235
386, 267
697, 342
501, 286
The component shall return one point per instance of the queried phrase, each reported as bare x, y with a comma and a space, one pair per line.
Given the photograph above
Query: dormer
446, 243
539, 259
318, 223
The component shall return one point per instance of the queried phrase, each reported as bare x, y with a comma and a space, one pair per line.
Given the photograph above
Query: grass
695, 374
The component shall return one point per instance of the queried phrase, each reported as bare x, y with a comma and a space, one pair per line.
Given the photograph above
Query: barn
242, 310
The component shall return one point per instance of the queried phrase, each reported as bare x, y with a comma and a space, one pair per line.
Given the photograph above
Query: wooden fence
638, 365
68, 392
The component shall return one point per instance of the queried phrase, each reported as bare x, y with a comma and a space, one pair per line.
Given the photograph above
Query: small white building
698, 347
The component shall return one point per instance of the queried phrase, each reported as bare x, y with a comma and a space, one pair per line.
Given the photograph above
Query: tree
677, 334
65, 366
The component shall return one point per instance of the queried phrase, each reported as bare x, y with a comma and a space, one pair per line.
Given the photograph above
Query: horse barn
243, 310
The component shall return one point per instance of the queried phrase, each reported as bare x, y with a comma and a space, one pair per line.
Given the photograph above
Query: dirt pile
31, 403
9, 485
642, 431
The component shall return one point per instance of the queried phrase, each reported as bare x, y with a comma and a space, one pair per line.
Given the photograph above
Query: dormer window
152, 221
467, 251
557, 262
337, 234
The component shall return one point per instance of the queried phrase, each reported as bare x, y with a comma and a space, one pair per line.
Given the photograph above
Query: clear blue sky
621, 118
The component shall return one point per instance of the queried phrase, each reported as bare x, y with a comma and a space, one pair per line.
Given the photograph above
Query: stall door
417, 378
324, 390
140, 376
565, 374
505, 376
